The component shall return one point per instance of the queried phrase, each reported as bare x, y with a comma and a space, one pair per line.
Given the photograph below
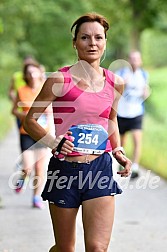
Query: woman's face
135, 60
90, 42
33, 73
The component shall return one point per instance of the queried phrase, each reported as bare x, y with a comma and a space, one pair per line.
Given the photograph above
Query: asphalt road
140, 220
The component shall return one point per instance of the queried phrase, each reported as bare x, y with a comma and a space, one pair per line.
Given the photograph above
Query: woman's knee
62, 248
53, 249
95, 246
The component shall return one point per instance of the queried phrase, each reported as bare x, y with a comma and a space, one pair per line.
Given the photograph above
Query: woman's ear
105, 45
74, 44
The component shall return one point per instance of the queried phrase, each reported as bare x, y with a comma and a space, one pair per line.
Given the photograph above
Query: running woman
84, 97
33, 154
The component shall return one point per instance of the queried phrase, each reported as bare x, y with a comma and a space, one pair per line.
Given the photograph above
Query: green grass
156, 103
154, 146
6, 119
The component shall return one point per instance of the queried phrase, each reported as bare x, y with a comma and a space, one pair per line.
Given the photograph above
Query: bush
6, 119
153, 44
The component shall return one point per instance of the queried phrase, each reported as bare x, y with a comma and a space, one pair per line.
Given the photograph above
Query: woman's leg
53, 249
123, 138
28, 161
27, 166
137, 141
27, 153
64, 222
98, 217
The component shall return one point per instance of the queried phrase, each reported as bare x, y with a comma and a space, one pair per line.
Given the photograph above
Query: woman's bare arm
15, 110
114, 136
113, 125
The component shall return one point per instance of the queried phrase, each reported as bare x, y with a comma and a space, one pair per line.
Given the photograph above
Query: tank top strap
66, 74
110, 77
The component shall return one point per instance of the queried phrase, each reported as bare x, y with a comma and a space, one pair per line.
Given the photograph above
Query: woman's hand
66, 147
125, 162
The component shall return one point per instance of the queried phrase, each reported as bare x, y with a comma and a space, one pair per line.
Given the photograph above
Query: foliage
154, 146
154, 44
42, 28
37, 28
6, 120
129, 19
156, 104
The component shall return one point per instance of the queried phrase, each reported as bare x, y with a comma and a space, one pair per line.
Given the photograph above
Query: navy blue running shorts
70, 183
26, 142
128, 124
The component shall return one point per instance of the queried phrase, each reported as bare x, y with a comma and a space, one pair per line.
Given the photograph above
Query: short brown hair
89, 17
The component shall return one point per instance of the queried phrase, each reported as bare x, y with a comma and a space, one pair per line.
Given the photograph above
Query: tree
38, 28
143, 15
41, 28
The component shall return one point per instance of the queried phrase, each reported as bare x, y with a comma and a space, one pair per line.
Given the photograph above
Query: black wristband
60, 144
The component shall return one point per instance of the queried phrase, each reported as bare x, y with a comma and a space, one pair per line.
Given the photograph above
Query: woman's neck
89, 71
84, 73
94, 64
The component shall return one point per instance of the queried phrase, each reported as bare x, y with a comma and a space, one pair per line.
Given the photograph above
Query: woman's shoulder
56, 80
64, 69
59, 75
116, 79
108, 72
55, 77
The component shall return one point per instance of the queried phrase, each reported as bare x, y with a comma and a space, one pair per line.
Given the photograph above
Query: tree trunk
135, 39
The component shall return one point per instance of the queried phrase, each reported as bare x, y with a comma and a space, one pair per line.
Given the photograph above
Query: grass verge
6, 119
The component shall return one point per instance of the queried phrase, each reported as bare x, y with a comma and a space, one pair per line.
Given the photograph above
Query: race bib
89, 138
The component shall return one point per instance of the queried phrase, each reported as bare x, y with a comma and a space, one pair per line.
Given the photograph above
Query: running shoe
20, 183
37, 202
135, 171
134, 175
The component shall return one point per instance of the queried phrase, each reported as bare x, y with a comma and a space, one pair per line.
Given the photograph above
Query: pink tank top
77, 106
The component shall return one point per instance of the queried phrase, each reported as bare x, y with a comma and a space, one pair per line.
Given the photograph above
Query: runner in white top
131, 105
